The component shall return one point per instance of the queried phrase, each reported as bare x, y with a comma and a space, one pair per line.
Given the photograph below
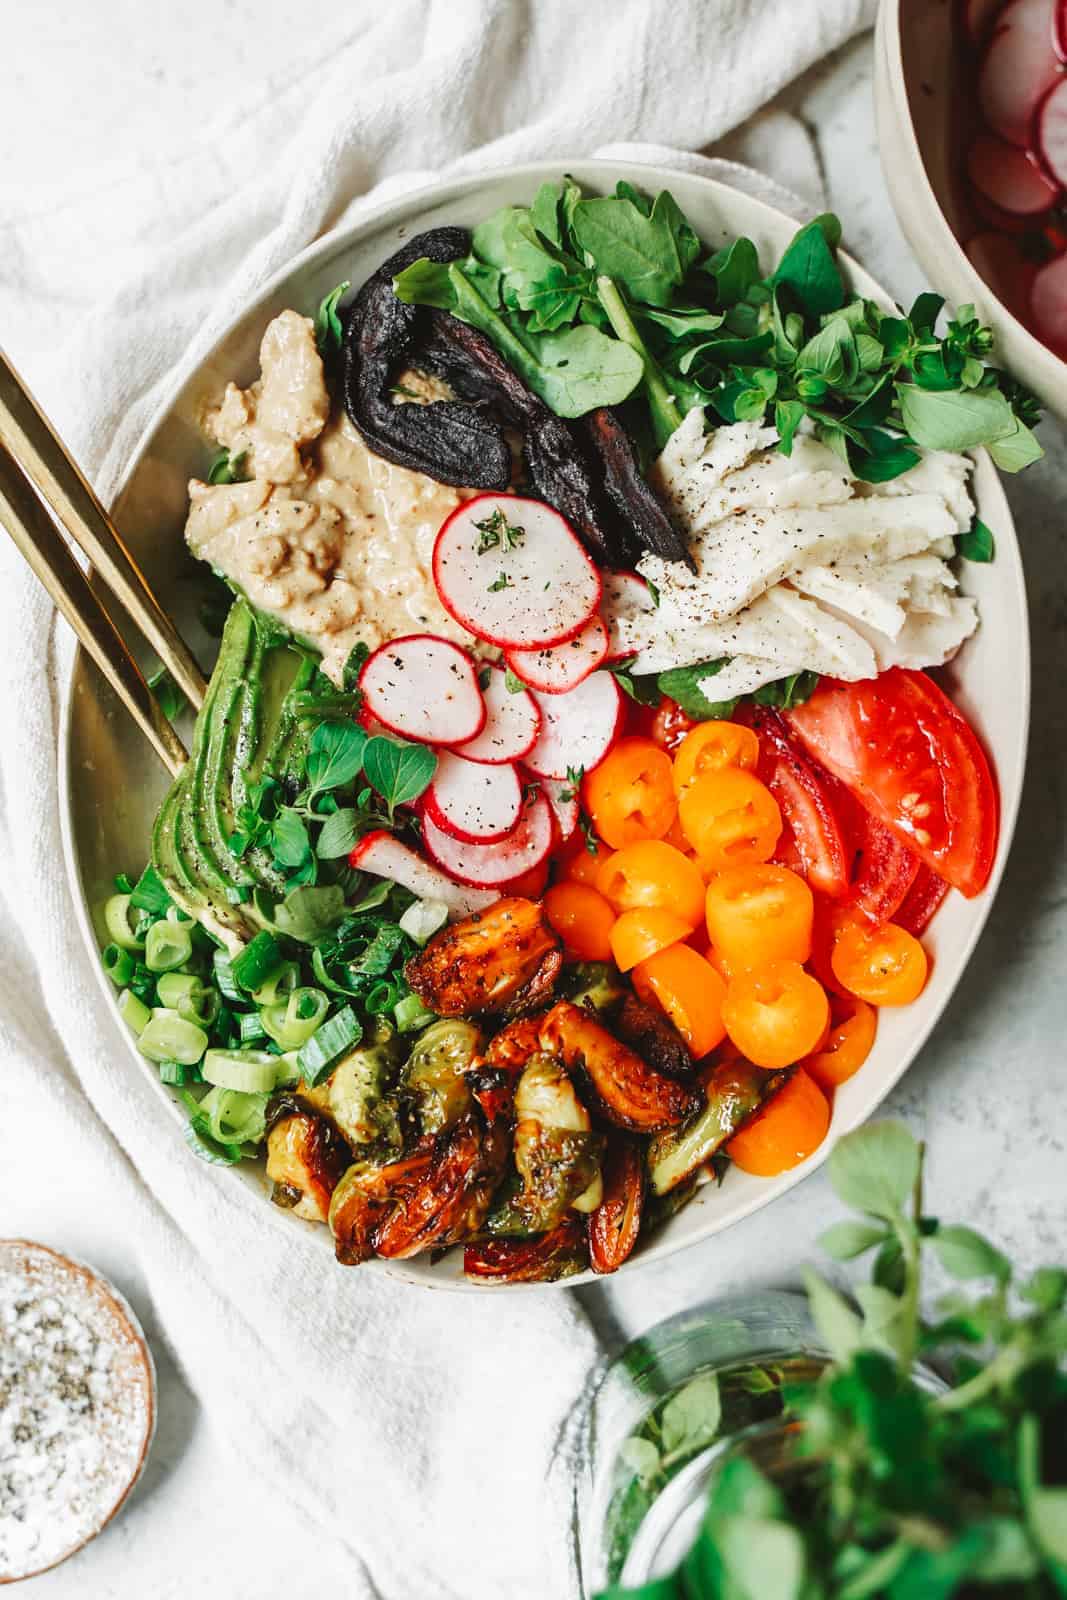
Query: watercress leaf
289, 837
544, 213
328, 329
965, 1254
308, 912
681, 320
642, 1458
883, 456
726, 351
869, 351
691, 1418
788, 415
689, 688
582, 368
340, 834
838, 1324
399, 772
335, 755
955, 419
648, 255
925, 311
831, 352
846, 1240
735, 269
875, 1169
785, 693
809, 269
1016, 450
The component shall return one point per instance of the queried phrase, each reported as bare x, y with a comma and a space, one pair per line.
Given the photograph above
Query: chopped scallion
169, 1037
327, 1044
249, 1071
259, 958
118, 964
149, 894
117, 922
134, 1013
224, 978
280, 983
167, 945
250, 1028
410, 1014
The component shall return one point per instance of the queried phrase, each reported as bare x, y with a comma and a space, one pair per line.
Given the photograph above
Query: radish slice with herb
1048, 304
473, 801
559, 667
562, 796
513, 571
1020, 66
1052, 131
485, 865
382, 854
998, 259
424, 688
1009, 177
577, 729
512, 722
625, 595
978, 18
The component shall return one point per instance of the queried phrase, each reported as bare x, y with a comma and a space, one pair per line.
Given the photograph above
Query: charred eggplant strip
455, 441
626, 1090
616, 1222
734, 1090
646, 520
542, 1259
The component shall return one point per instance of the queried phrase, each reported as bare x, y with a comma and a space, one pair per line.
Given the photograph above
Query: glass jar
654, 1427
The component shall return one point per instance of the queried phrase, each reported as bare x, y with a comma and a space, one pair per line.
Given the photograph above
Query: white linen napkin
420, 1431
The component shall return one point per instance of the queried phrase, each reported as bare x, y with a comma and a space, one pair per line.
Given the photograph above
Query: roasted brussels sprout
733, 1090
654, 1037
592, 984
362, 1086
434, 1076
542, 1259
627, 1091
557, 1155
505, 959
451, 1199
364, 1197
616, 1222
305, 1159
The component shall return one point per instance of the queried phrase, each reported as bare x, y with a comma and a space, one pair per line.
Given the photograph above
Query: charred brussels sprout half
305, 1159
557, 1155
592, 984
733, 1090
434, 1080
362, 1091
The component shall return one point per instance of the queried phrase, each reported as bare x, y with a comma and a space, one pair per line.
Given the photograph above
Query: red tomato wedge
806, 802
884, 869
912, 760
921, 901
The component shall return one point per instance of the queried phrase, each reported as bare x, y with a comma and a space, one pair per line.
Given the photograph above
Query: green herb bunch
597, 300
899, 1486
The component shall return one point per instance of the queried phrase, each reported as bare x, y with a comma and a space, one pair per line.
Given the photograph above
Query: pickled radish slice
996, 257
423, 688
473, 801
1060, 31
1052, 131
512, 722
382, 854
1010, 177
562, 796
578, 728
625, 594
1048, 304
487, 865
559, 667
514, 572
1020, 66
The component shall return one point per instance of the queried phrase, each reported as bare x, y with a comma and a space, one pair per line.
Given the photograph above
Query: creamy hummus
325, 535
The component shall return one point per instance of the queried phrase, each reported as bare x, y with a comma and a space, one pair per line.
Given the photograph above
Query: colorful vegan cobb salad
570, 791
1014, 156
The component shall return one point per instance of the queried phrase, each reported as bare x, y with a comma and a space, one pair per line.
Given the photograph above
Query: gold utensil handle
44, 547
32, 441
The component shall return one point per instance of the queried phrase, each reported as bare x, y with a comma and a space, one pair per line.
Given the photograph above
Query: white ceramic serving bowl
111, 783
917, 79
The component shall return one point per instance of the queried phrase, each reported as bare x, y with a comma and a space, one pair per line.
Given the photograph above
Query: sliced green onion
379, 998
169, 1037
250, 1071
201, 1008
223, 968
280, 983
422, 919
123, 883
328, 1044
150, 894
173, 987
410, 1014
176, 914
117, 922
176, 1073
234, 1117
250, 1028
256, 962
118, 964
167, 945
134, 1013
288, 1069
291, 1022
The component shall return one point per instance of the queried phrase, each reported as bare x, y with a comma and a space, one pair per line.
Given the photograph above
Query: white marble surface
987, 1093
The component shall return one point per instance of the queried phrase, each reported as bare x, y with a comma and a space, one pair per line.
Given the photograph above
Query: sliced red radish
1010, 177
1020, 67
1002, 264
559, 667
625, 594
513, 572
512, 722
484, 865
1051, 126
579, 728
1060, 31
424, 688
1048, 304
562, 796
978, 17
473, 801
383, 855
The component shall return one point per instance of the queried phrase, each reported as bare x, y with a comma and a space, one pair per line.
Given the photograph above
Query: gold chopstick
43, 546
45, 460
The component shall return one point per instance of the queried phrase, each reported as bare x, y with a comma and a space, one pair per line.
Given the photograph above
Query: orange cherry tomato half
582, 918
712, 746
653, 873
775, 1015
630, 795
639, 934
784, 1132
853, 1024
689, 991
730, 818
885, 966
758, 914
582, 864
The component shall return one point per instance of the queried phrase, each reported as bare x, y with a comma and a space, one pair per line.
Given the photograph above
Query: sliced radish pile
577, 728
978, 18
1010, 177
1020, 67
424, 688
1052, 131
383, 855
998, 259
1048, 304
487, 864
625, 595
540, 590
559, 667
512, 723
473, 801
561, 796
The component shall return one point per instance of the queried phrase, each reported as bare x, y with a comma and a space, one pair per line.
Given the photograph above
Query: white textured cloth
418, 1431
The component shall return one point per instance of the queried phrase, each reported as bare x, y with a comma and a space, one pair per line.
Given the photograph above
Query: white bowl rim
405, 207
